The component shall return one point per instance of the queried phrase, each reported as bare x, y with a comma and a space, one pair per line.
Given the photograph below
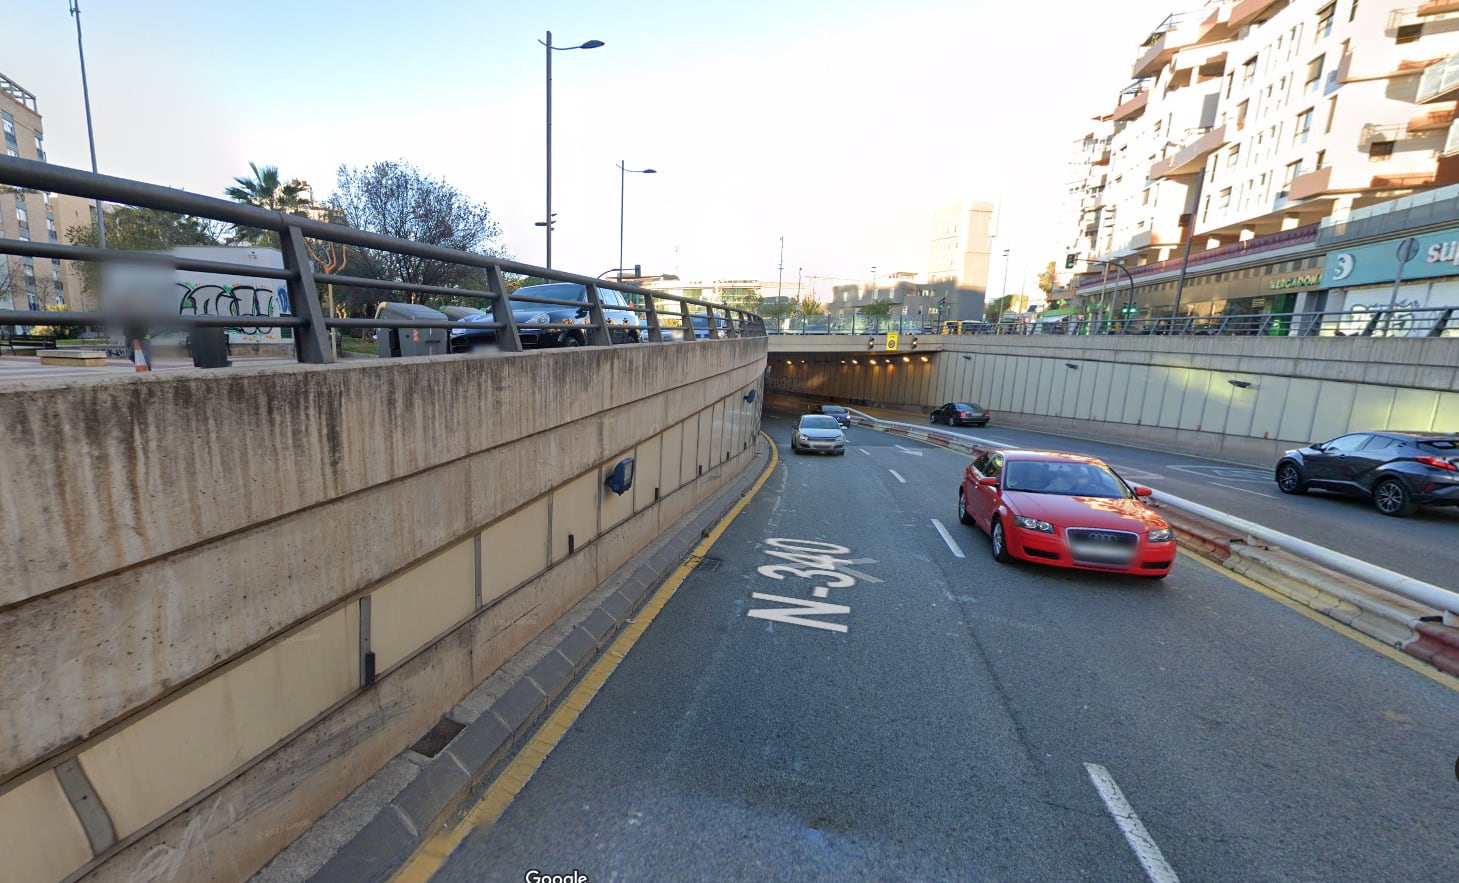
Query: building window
1248, 71
1409, 33
1293, 170
1331, 113
1353, 12
1223, 200
1314, 74
1321, 160
1324, 21
1304, 126
1233, 156
1241, 115
1380, 150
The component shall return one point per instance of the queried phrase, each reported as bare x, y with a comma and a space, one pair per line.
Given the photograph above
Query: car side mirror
1141, 491
988, 482
1319, 446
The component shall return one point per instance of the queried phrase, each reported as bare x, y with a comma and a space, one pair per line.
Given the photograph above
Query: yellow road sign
891, 340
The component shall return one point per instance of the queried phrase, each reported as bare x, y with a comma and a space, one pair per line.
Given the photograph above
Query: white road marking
1230, 473
799, 612
908, 451
864, 451
897, 476
947, 538
1146, 851
1243, 490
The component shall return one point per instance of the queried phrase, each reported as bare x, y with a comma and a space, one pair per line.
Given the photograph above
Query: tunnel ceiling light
787, 361
1240, 384
906, 358
1071, 366
924, 358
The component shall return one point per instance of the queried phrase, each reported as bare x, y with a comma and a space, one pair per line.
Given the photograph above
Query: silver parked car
818, 434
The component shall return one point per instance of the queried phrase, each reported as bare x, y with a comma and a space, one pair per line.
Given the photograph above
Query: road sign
891, 340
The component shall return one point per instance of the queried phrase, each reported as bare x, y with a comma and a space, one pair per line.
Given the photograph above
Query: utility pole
90, 134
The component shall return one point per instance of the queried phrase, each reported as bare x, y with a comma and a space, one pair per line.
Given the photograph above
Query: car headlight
1162, 535
1033, 524
539, 319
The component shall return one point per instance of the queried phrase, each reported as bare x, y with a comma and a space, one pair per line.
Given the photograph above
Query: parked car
956, 414
818, 434
841, 415
622, 322
1398, 471
1064, 510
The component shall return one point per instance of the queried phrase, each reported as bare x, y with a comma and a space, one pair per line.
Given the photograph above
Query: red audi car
1065, 510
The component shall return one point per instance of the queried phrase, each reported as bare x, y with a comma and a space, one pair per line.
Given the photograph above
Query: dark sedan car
958, 414
622, 323
1398, 471
842, 415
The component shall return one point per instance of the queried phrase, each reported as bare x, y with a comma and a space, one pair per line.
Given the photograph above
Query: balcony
1132, 108
1438, 7
1440, 81
1191, 158
1312, 184
1156, 57
1434, 119
1390, 182
1251, 10
1451, 143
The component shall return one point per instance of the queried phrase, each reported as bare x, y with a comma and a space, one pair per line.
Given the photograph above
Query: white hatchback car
818, 434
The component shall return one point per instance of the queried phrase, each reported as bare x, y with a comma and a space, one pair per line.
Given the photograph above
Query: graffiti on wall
243, 301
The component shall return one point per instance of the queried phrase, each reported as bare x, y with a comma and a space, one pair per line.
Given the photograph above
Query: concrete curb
1386, 617
447, 781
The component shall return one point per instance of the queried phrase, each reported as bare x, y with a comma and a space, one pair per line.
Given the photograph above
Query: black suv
1398, 471
622, 322
842, 416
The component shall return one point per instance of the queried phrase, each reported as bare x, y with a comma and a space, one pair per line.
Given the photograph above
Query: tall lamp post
90, 135
1128, 277
623, 171
547, 221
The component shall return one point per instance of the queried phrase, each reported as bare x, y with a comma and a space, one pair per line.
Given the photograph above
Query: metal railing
1360, 322
305, 313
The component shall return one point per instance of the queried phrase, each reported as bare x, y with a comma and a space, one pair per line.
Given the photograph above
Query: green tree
266, 190
995, 310
396, 199
777, 311
875, 313
142, 229
1048, 278
809, 306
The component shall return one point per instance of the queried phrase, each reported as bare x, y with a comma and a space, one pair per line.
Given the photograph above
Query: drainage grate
440, 735
708, 564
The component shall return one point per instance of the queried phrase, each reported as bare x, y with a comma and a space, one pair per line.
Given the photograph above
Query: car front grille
1101, 547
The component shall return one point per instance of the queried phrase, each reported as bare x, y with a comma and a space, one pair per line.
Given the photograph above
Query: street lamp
90, 135
591, 44
623, 171
1130, 304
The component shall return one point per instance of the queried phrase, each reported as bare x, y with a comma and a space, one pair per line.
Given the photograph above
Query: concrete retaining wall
205, 559
1171, 391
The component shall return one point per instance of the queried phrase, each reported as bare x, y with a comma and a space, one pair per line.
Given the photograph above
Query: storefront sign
1307, 280
1435, 255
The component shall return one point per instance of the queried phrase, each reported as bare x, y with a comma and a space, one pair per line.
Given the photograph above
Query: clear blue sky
838, 124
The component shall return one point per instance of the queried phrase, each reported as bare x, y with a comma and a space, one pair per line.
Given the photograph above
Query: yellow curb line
433, 852
1346, 631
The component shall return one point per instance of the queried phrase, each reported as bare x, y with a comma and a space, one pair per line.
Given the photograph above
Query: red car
1065, 510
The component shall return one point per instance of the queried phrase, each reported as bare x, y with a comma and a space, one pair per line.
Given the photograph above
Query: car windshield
818, 422
832, 409
1067, 479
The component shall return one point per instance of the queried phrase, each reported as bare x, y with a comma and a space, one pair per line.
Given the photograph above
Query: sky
837, 125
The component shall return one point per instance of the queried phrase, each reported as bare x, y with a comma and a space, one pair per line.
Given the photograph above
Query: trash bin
209, 347
397, 342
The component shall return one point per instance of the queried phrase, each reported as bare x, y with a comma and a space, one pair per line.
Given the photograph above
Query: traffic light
1070, 260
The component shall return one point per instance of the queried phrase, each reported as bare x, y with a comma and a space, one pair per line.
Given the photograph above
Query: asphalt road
949, 718
1425, 546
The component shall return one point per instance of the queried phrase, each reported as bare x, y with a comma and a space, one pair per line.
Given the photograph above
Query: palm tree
266, 190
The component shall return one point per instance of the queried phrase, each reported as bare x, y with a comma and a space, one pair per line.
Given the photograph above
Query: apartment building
1245, 125
31, 283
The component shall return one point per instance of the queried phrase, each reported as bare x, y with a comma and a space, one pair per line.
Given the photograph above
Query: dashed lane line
1147, 852
947, 538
